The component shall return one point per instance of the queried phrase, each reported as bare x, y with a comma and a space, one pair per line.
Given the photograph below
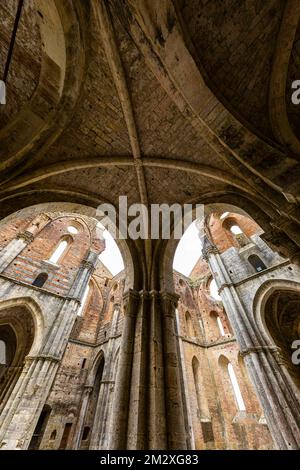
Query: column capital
26, 236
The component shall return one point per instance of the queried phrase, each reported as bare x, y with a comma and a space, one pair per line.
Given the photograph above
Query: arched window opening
53, 435
2, 353
60, 250
40, 280
257, 263
40, 428
84, 299
220, 326
236, 389
189, 325
16, 337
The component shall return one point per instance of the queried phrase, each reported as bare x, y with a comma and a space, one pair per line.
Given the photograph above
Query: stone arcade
173, 101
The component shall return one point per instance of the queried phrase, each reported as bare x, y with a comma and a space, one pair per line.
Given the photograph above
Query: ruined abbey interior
164, 102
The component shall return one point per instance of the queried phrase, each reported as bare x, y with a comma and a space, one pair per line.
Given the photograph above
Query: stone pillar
17, 245
157, 408
176, 433
119, 418
137, 417
185, 388
277, 397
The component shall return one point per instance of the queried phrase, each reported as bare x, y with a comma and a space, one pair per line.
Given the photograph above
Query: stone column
277, 397
17, 245
119, 418
176, 433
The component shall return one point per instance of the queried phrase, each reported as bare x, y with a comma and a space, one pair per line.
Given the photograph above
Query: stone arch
36, 312
40, 280
190, 329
